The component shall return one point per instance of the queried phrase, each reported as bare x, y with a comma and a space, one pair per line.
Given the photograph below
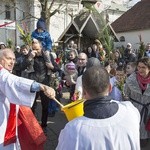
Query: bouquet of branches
120, 84
25, 35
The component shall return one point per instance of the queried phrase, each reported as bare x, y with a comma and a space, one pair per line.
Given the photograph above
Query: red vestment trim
10, 134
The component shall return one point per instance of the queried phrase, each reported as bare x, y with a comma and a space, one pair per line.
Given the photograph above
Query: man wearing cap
2, 45
129, 55
18, 56
128, 48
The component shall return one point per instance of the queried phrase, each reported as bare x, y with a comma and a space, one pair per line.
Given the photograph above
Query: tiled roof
136, 18
89, 24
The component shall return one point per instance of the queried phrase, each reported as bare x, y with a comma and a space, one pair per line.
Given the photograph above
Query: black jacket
40, 73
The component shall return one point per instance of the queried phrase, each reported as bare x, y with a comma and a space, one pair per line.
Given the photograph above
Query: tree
107, 40
105, 36
141, 48
46, 12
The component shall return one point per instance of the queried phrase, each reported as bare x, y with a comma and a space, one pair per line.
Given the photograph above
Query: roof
136, 18
88, 1
88, 24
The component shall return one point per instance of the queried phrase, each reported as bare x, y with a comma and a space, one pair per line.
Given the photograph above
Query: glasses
81, 59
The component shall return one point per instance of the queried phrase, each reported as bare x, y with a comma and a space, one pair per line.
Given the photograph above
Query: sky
132, 2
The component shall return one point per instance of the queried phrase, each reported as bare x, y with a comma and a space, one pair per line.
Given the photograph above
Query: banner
8, 25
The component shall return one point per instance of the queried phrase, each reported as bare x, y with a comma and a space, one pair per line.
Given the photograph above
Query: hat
41, 24
17, 47
70, 66
129, 44
2, 43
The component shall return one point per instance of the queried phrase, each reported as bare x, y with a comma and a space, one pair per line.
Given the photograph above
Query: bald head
82, 59
7, 59
3, 52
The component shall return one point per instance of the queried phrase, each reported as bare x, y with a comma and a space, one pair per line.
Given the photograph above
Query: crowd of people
116, 90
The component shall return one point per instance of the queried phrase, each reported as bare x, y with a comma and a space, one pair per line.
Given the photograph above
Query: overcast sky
133, 2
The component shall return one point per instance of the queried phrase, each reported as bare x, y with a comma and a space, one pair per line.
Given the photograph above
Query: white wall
21, 6
6, 32
133, 38
60, 21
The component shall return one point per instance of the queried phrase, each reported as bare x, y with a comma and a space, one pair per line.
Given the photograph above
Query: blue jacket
44, 37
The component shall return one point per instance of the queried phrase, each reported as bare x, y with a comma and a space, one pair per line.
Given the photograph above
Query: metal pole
15, 23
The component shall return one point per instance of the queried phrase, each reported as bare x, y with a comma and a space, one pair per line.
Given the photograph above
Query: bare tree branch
51, 5
55, 11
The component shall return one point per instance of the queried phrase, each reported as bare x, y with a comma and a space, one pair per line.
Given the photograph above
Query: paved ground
55, 124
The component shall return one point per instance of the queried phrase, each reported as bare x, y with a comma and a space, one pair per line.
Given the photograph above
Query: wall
22, 7
133, 38
6, 31
61, 20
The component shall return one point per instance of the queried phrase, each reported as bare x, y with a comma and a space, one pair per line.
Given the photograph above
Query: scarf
143, 81
100, 108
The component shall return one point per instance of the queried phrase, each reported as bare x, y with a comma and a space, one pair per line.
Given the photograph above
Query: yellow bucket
74, 109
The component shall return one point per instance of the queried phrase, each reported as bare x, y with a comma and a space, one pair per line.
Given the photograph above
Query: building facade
26, 13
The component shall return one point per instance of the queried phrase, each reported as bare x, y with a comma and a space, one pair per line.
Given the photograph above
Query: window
7, 12
122, 39
23, 15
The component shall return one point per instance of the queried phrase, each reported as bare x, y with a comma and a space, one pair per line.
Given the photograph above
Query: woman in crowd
137, 89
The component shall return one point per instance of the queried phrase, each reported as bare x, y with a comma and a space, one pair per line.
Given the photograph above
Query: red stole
10, 134
30, 133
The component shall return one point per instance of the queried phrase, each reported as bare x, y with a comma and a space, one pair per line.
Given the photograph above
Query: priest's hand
48, 91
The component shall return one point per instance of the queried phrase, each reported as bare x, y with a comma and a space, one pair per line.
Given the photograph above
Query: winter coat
40, 73
44, 37
135, 95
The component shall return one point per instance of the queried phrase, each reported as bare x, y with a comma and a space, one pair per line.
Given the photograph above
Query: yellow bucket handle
58, 102
75, 104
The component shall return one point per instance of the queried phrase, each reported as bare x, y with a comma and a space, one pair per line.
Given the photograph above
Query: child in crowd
70, 76
130, 68
41, 34
71, 73
117, 83
107, 67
